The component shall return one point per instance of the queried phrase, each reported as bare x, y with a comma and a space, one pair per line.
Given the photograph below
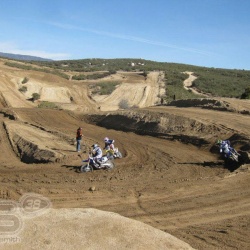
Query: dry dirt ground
171, 176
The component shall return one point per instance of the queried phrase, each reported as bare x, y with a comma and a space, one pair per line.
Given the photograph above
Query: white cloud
131, 38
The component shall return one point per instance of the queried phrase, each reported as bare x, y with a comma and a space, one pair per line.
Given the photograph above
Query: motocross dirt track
171, 176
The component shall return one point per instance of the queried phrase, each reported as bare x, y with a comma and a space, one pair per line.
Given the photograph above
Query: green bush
25, 80
35, 96
23, 89
246, 94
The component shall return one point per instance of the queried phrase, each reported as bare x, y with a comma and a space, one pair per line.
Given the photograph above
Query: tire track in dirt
176, 187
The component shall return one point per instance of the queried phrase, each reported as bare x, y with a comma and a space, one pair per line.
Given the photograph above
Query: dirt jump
171, 182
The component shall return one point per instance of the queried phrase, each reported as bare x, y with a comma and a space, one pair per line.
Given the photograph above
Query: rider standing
79, 136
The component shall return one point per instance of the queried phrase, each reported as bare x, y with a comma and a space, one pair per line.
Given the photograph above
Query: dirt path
158, 182
188, 84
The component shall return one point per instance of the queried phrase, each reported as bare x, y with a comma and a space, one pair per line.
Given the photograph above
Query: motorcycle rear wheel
110, 165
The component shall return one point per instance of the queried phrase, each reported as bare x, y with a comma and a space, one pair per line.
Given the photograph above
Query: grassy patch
216, 81
104, 88
219, 82
28, 67
92, 76
47, 105
174, 86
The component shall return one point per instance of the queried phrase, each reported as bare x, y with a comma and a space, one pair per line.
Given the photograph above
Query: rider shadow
227, 163
72, 168
63, 150
231, 165
210, 164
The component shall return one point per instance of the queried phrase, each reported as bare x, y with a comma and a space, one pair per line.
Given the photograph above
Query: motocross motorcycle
234, 155
91, 164
113, 153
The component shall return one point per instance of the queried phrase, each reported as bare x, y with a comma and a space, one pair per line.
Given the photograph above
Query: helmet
219, 141
94, 146
106, 139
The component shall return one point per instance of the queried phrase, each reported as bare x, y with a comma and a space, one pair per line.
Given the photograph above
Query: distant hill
23, 57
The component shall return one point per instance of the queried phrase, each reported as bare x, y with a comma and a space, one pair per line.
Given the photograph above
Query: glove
220, 150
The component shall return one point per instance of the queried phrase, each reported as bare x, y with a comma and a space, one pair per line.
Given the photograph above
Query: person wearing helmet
97, 153
78, 139
225, 147
109, 144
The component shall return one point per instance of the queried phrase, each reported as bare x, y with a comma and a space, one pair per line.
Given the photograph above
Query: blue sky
211, 33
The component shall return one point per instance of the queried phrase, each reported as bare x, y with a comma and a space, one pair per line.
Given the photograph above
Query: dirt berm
91, 229
172, 127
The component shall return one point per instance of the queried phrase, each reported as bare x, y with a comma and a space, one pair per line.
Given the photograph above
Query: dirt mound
139, 92
207, 103
34, 145
91, 229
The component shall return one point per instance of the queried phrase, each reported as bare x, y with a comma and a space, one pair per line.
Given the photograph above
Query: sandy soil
136, 90
171, 176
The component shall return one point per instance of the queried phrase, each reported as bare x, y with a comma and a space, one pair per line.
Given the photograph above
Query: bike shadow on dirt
63, 150
73, 168
211, 164
226, 163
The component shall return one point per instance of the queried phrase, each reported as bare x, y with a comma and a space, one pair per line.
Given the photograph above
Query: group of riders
97, 151
224, 146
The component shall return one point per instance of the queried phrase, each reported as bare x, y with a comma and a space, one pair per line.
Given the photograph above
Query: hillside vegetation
214, 81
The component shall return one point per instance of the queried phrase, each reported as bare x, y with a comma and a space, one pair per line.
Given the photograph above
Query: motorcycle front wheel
119, 155
86, 168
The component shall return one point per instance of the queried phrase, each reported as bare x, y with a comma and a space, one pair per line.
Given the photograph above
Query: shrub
23, 89
123, 104
35, 96
25, 80
246, 94
144, 73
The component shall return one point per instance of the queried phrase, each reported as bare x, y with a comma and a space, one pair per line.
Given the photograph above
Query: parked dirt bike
113, 154
91, 165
